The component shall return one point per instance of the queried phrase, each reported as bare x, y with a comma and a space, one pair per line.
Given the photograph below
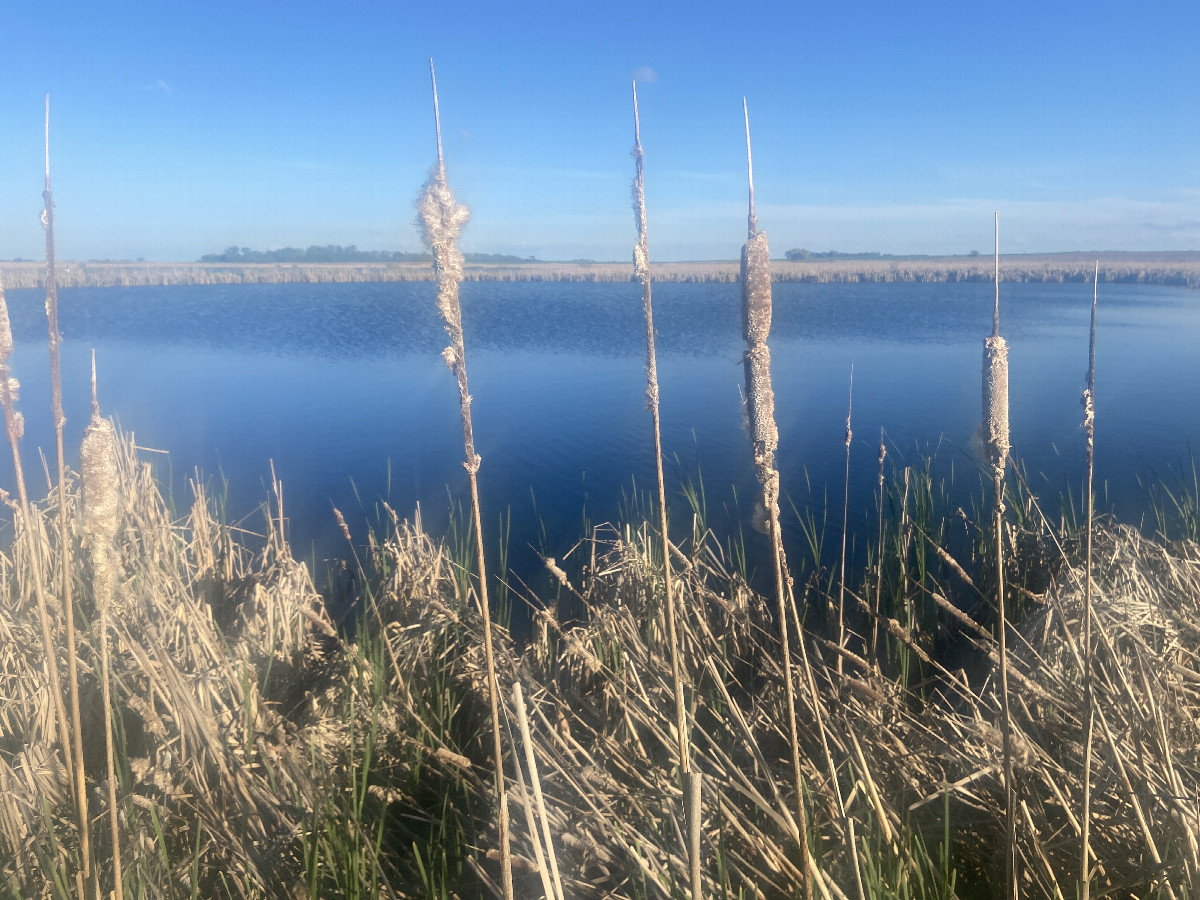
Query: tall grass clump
764, 440
441, 218
996, 447
641, 267
35, 543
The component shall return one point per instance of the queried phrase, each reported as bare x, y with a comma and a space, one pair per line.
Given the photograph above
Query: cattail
875, 610
641, 267
441, 218
1089, 427
15, 427
764, 440
995, 402
74, 754
551, 881
841, 630
101, 506
996, 447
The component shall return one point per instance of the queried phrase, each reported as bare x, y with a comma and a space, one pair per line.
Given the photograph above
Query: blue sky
181, 128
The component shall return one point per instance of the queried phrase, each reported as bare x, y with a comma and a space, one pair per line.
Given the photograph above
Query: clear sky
180, 128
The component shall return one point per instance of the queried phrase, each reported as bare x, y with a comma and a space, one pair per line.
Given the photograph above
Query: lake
343, 388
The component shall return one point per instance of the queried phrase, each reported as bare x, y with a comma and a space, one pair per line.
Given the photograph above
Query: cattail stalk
875, 611
841, 626
555, 882
996, 448
641, 268
101, 506
441, 219
74, 755
1089, 428
15, 429
764, 440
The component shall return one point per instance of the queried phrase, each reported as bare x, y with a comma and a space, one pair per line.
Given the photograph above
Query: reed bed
260, 753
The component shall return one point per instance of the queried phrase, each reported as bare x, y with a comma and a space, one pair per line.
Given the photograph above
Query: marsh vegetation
1004, 698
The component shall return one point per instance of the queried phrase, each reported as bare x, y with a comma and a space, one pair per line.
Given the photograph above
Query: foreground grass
261, 753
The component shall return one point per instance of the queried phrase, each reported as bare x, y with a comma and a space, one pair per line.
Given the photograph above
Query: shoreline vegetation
1179, 268
996, 698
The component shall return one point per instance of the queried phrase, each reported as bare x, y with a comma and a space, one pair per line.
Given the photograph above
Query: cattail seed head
760, 519
6, 338
756, 290
101, 503
995, 401
440, 218
760, 407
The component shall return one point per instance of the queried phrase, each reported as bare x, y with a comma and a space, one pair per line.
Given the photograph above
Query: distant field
1173, 268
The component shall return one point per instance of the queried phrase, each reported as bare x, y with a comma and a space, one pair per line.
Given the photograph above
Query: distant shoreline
1181, 268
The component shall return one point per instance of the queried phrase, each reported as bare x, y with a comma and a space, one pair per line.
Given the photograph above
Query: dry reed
1089, 428
15, 428
441, 218
73, 754
641, 268
841, 603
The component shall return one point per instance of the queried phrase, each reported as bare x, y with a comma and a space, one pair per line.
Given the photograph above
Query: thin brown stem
996, 308
1010, 793
875, 608
114, 822
1089, 423
74, 755
841, 626
751, 218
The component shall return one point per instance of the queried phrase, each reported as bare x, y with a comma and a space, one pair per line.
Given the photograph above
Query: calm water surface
342, 387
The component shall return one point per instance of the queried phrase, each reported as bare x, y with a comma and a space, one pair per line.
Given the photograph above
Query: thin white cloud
645, 75
160, 87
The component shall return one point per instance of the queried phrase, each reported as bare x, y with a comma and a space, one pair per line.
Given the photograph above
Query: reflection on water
343, 388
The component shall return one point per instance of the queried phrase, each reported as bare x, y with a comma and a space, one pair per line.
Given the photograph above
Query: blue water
343, 388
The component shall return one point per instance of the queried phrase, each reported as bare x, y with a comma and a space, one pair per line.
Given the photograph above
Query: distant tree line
333, 253
801, 255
